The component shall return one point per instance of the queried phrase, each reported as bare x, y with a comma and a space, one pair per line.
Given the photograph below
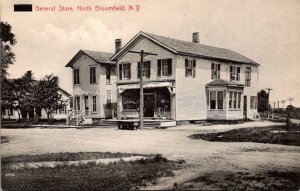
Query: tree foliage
24, 93
47, 96
262, 101
7, 41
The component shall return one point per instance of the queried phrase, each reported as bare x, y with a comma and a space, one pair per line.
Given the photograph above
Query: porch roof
223, 83
122, 88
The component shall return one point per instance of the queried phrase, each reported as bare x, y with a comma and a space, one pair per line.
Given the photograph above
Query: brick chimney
118, 44
196, 37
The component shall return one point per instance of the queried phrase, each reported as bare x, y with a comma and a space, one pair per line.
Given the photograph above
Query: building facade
94, 84
185, 80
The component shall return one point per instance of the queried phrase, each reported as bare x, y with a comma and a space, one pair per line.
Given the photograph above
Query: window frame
248, 76
108, 74
164, 67
235, 100
215, 71
190, 68
235, 72
93, 75
146, 70
76, 76
122, 72
94, 104
77, 103
253, 102
217, 93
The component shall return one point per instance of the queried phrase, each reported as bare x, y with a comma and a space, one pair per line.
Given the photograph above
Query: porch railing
78, 115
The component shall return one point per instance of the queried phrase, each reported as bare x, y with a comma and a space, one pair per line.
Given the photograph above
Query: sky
266, 31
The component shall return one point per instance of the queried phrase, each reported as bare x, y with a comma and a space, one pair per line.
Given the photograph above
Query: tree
8, 99
24, 94
47, 96
7, 57
262, 101
7, 41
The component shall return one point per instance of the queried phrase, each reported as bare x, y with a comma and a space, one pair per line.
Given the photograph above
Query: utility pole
290, 99
142, 54
268, 89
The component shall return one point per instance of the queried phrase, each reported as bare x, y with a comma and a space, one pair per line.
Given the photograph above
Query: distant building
186, 80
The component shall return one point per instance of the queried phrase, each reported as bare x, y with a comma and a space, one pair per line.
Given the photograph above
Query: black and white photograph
150, 95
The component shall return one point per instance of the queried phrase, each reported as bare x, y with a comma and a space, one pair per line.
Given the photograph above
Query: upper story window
190, 68
76, 76
248, 76
164, 67
92, 75
108, 74
216, 100
146, 69
215, 71
125, 71
235, 73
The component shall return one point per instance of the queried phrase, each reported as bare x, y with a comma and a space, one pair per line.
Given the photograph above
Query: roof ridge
96, 51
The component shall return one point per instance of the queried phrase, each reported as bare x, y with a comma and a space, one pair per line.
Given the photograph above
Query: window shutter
231, 69
74, 75
129, 68
159, 68
170, 67
212, 66
149, 68
139, 69
78, 77
91, 75
120, 71
194, 68
219, 67
186, 67
238, 70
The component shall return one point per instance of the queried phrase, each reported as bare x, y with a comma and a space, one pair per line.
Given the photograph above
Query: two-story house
185, 80
94, 84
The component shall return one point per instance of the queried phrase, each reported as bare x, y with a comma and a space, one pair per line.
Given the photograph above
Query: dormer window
235, 73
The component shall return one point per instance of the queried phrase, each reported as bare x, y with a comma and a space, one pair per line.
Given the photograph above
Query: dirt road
200, 156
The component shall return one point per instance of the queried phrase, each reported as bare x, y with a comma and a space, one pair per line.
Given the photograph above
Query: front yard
274, 135
118, 175
50, 155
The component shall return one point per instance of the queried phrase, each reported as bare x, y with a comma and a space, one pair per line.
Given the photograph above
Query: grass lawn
272, 134
122, 175
223, 180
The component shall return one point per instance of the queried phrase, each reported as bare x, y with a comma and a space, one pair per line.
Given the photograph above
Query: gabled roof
64, 91
224, 83
99, 57
187, 48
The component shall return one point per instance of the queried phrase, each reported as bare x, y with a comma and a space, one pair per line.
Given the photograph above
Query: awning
122, 88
